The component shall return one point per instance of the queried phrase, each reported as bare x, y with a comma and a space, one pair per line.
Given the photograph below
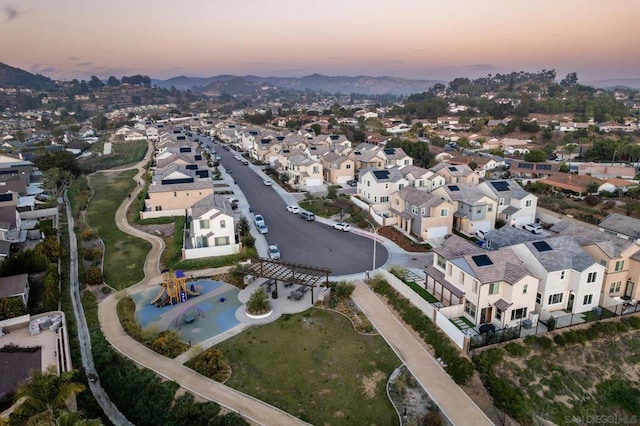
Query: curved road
110, 410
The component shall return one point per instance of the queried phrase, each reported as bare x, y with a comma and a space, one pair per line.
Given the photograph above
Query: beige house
421, 214
456, 173
423, 179
473, 210
337, 169
266, 150
619, 256
173, 191
302, 171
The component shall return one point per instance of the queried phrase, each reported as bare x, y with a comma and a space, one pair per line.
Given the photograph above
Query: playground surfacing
212, 312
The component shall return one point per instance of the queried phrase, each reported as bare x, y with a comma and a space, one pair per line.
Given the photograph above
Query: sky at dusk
421, 39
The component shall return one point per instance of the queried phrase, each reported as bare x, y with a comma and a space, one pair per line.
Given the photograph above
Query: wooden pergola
293, 273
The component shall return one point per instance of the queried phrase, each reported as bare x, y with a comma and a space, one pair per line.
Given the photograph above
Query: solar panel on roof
453, 187
482, 260
542, 246
357, 152
525, 166
544, 166
500, 185
389, 151
453, 169
313, 148
381, 174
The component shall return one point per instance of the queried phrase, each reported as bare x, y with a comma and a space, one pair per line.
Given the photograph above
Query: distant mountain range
321, 83
624, 83
16, 77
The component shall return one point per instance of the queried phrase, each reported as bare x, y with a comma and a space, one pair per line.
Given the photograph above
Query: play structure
188, 316
174, 289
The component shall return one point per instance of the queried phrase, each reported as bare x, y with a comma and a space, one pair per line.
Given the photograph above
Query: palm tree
71, 418
45, 394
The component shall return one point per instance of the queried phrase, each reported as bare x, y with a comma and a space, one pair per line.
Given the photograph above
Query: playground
198, 310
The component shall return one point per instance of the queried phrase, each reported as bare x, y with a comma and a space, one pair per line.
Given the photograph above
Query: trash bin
274, 294
526, 323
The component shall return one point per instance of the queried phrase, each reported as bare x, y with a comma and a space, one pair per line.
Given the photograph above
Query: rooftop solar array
389, 151
453, 188
381, 174
525, 166
453, 169
542, 246
500, 186
544, 166
482, 260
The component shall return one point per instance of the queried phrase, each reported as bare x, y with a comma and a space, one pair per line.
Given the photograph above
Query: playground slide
192, 293
159, 296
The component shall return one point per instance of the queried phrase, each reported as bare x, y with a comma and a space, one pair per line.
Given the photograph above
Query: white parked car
262, 228
342, 226
481, 234
259, 220
534, 228
274, 252
267, 182
293, 209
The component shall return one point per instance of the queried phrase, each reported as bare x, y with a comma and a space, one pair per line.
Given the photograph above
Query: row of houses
182, 184
520, 276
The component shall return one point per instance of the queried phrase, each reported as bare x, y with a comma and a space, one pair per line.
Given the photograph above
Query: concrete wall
406, 291
455, 334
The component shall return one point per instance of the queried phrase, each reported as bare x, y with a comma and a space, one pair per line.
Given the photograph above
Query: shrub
515, 349
94, 276
592, 200
211, 364
258, 303
343, 290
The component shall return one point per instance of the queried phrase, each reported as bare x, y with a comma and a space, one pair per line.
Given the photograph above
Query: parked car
262, 228
342, 226
258, 219
245, 162
481, 234
274, 252
267, 182
308, 216
352, 182
293, 209
534, 228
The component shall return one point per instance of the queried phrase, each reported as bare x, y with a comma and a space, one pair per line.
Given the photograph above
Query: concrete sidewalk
450, 398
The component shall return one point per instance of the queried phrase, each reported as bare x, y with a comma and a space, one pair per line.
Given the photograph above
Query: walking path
454, 403
245, 405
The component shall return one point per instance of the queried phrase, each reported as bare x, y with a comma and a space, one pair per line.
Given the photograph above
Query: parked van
307, 216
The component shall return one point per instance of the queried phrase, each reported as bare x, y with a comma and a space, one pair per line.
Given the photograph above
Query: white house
473, 210
570, 279
516, 206
376, 186
211, 229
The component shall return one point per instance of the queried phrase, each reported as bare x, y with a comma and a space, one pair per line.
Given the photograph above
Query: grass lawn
314, 366
319, 207
124, 254
122, 153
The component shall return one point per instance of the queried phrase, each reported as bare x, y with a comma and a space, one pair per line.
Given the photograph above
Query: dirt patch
370, 383
400, 239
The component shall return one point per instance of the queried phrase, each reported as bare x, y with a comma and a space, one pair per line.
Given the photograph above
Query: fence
406, 291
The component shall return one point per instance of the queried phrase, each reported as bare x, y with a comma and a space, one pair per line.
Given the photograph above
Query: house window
470, 308
501, 202
400, 186
441, 261
494, 288
499, 314
414, 209
518, 313
221, 241
591, 278
223, 224
474, 286
538, 298
423, 211
348, 166
478, 211
420, 183
603, 263
175, 194
315, 169
524, 288
461, 278
555, 298
204, 224
588, 299
384, 199
615, 287
527, 203
489, 208
396, 202
449, 269
619, 265
562, 274
444, 212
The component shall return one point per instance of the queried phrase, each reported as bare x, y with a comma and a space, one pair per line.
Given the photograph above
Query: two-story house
337, 169
456, 173
421, 214
423, 179
621, 226
211, 229
516, 206
302, 172
570, 279
473, 210
376, 186
491, 287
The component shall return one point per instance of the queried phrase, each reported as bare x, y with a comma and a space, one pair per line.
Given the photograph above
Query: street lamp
374, 244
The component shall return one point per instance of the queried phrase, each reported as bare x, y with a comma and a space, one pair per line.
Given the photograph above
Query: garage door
437, 232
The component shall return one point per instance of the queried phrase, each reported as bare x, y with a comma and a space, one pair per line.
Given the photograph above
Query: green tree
317, 129
45, 395
94, 276
11, 307
113, 82
64, 160
258, 302
535, 156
